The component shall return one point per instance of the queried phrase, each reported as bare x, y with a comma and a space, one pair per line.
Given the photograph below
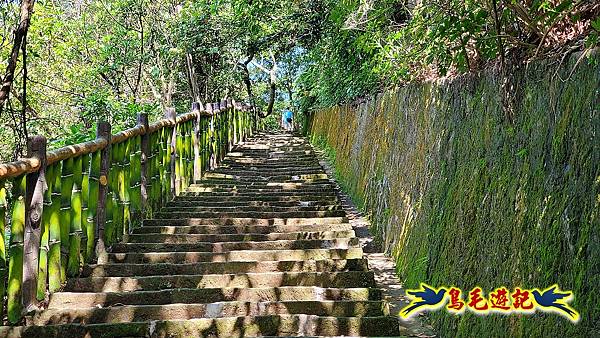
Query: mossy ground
465, 192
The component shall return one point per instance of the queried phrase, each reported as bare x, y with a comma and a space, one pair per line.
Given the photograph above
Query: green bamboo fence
96, 191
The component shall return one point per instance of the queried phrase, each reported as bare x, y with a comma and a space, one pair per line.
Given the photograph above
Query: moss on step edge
464, 192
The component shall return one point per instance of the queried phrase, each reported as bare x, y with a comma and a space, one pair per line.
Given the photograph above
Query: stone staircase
259, 247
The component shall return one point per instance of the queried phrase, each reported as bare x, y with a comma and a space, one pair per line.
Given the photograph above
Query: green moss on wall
464, 192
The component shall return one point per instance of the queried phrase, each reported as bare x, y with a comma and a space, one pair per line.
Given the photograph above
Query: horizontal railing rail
64, 207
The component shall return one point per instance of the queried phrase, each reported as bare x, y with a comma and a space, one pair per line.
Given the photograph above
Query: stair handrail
91, 194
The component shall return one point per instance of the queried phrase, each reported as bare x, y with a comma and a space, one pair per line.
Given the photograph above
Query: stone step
265, 173
274, 149
177, 203
249, 174
259, 189
343, 279
245, 221
263, 185
241, 229
278, 162
271, 162
163, 269
297, 155
250, 237
258, 326
253, 196
223, 179
248, 209
73, 300
250, 214
224, 198
303, 159
337, 243
268, 168
250, 178
293, 153
232, 256
134, 313
282, 147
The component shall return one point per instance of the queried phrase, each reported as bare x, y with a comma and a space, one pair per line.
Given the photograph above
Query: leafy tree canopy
87, 60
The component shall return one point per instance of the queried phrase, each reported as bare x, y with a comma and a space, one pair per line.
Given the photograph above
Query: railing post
197, 109
219, 131
225, 127
171, 115
34, 202
103, 132
230, 124
211, 135
142, 120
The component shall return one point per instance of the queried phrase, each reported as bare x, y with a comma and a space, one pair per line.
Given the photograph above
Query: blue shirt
288, 114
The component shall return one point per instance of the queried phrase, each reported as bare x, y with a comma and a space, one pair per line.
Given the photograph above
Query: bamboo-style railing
66, 206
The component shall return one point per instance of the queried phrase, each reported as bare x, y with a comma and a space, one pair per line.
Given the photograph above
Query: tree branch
20, 34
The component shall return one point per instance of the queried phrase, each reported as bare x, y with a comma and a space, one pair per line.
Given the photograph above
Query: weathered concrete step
261, 326
337, 243
259, 188
268, 167
261, 209
274, 149
212, 175
252, 196
163, 269
281, 147
261, 144
343, 279
265, 173
224, 198
298, 155
245, 221
290, 153
73, 300
241, 229
196, 238
257, 157
269, 163
231, 256
264, 185
134, 313
217, 204
250, 214
284, 151
259, 191
277, 163
211, 182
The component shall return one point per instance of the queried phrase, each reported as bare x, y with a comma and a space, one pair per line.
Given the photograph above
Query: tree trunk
272, 84
248, 83
20, 35
288, 86
272, 92
192, 78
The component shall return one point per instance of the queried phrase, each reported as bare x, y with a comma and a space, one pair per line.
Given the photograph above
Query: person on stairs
287, 119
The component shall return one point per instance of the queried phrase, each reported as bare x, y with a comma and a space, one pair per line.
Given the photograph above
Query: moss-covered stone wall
465, 190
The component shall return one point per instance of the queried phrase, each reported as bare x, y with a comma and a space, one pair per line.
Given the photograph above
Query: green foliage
374, 44
108, 60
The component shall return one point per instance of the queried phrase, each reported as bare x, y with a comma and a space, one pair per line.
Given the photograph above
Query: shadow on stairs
261, 246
